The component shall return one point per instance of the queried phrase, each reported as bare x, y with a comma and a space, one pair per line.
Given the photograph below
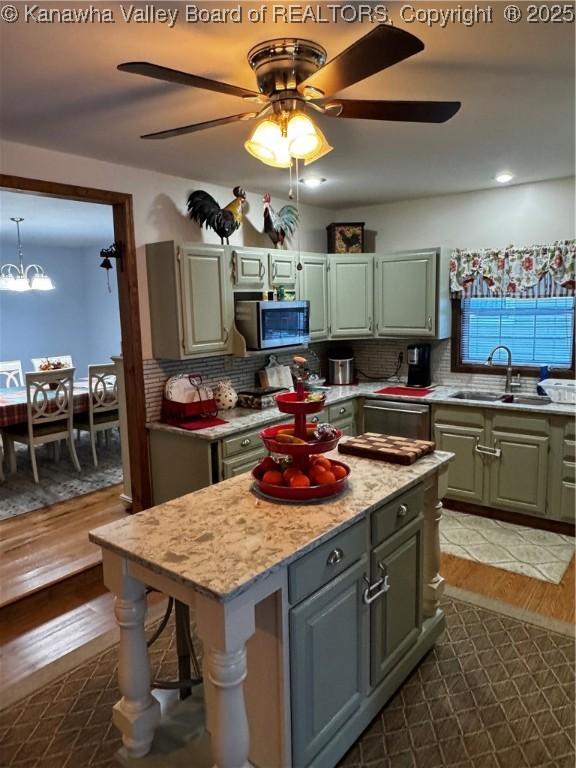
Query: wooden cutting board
398, 450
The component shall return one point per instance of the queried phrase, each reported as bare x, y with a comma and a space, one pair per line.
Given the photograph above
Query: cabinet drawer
524, 424
318, 418
247, 441
569, 450
240, 464
317, 568
393, 516
346, 426
466, 417
340, 411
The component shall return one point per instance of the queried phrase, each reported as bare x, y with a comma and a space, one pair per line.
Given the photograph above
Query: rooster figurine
203, 209
279, 225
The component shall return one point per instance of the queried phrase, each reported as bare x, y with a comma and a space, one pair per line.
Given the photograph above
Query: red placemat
197, 423
405, 391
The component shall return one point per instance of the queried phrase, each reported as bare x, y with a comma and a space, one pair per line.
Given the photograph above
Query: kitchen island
311, 616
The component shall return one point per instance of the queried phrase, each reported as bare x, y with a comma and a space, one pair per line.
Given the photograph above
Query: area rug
59, 481
540, 554
494, 692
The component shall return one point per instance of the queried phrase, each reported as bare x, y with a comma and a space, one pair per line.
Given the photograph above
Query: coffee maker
419, 374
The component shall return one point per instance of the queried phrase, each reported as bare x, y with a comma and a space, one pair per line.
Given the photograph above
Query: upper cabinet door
405, 294
351, 295
206, 305
313, 285
249, 268
282, 268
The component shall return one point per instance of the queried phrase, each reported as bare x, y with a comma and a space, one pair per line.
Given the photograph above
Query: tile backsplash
374, 358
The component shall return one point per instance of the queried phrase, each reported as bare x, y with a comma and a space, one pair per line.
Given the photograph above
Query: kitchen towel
404, 391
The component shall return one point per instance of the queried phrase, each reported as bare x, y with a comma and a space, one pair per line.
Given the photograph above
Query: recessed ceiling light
312, 181
504, 177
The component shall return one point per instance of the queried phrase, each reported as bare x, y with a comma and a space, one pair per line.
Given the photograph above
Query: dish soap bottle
544, 374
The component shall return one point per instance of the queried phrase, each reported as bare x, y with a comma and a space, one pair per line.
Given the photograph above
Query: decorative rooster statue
279, 225
204, 210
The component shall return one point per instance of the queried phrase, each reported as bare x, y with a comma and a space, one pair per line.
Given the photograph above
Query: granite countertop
221, 539
240, 419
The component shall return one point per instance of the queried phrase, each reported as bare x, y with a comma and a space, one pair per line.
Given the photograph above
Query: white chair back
102, 388
66, 359
12, 370
49, 397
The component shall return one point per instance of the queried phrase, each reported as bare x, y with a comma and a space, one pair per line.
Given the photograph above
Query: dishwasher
389, 417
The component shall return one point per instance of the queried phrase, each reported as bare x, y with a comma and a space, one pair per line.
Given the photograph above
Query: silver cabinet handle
315, 419
335, 556
342, 410
245, 442
370, 324
234, 270
429, 322
487, 450
261, 269
226, 335
376, 590
274, 268
402, 510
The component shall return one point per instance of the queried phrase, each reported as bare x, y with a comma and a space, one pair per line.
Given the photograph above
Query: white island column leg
224, 629
433, 581
137, 713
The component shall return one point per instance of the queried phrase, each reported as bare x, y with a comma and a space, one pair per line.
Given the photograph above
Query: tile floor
495, 692
528, 551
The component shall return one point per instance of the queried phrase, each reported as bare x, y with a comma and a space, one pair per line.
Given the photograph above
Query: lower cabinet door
568, 494
466, 473
346, 426
328, 646
396, 617
518, 475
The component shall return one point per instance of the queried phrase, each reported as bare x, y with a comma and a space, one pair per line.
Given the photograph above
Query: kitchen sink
470, 394
503, 397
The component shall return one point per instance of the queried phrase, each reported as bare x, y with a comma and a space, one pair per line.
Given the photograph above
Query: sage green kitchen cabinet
396, 618
328, 645
250, 268
351, 290
518, 472
466, 476
313, 285
191, 306
411, 296
240, 464
562, 471
282, 268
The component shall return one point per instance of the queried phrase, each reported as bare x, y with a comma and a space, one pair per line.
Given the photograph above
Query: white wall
525, 214
159, 205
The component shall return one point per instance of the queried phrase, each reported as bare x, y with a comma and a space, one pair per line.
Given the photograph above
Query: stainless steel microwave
270, 324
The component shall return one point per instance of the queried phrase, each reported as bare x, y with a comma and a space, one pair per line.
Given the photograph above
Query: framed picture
346, 237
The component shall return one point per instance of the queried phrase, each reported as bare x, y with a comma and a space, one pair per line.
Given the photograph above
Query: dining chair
66, 359
50, 416
12, 370
102, 404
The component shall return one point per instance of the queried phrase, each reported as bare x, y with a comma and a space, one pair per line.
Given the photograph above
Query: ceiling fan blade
200, 126
404, 111
183, 78
379, 49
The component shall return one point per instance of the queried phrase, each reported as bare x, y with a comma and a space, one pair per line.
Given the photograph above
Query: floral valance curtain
536, 272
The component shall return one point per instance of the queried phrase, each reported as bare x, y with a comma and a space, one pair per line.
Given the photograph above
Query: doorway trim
123, 215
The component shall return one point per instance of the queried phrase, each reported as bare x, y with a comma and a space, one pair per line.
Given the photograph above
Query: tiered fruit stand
297, 404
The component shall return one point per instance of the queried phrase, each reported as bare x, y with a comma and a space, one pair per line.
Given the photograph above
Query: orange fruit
316, 475
299, 481
268, 463
273, 477
322, 461
338, 471
291, 472
327, 477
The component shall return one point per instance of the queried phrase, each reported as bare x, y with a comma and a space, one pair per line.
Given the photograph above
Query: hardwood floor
555, 601
41, 548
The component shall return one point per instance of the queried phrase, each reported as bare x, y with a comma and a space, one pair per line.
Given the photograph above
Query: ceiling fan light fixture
263, 140
302, 135
323, 149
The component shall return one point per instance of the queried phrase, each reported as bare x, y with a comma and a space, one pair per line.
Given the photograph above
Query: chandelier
19, 278
286, 136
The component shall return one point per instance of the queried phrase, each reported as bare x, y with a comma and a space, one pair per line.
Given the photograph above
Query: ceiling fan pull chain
290, 190
299, 265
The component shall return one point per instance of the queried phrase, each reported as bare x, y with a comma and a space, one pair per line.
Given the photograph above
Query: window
537, 331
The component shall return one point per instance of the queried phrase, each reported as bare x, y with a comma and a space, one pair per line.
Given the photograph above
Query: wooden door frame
123, 216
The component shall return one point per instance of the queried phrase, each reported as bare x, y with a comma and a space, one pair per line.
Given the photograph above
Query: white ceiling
51, 221
61, 90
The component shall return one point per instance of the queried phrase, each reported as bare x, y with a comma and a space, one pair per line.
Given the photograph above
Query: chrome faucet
510, 385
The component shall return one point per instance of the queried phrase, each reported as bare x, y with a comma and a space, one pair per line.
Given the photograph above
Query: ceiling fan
294, 77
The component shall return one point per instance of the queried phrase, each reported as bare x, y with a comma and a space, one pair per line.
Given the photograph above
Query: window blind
538, 331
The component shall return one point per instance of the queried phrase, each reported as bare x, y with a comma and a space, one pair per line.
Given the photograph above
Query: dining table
13, 405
